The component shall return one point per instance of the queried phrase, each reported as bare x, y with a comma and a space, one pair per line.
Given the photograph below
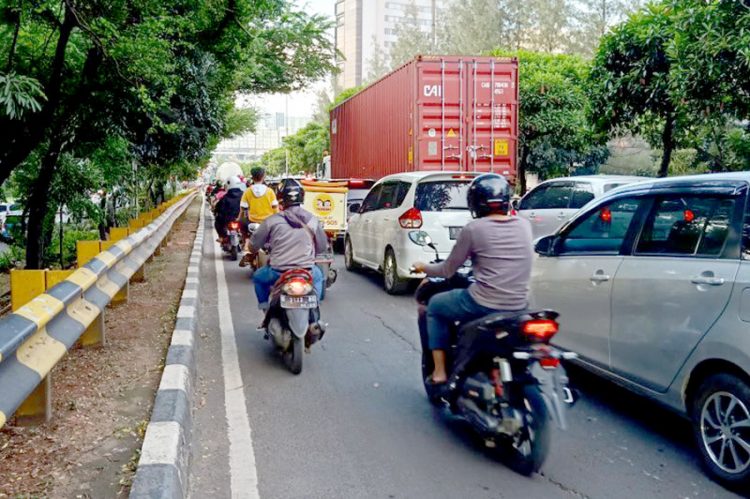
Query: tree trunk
61, 235
103, 224
522, 170
667, 142
18, 139
38, 200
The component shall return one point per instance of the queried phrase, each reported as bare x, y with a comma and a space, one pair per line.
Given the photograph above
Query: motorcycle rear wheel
293, 356
526, 451
233, 253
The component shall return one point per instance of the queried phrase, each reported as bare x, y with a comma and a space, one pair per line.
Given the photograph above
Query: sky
300, 104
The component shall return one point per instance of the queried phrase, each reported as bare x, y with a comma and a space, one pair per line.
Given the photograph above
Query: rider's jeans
265, 277
445, 309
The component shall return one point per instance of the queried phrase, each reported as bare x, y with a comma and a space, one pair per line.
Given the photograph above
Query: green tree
474, 26
555, 136
160, 74
711, 54
633, 85
377, 64
412, 40
594, 18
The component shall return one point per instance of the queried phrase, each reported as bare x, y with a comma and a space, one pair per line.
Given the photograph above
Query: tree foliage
555, 136
155, 80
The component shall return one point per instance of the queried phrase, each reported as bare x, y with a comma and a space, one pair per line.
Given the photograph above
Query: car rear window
441, 196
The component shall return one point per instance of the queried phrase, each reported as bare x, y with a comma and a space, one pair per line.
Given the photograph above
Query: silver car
554, 202
652, 283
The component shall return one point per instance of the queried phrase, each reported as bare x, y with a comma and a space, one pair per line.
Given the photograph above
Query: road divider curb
163, 466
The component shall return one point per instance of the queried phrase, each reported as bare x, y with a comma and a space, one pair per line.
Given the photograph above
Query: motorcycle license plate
453, 232
309, 301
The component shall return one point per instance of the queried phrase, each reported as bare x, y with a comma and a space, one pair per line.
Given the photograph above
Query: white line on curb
242, 470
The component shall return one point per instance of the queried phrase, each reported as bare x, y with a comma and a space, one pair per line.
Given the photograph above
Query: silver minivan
554, 202
652, 283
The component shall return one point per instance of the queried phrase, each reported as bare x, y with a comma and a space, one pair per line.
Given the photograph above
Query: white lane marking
175, 377
242, 470
161, 444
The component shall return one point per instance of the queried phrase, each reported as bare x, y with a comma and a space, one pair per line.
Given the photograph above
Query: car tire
717, 427
392, 282
349, 262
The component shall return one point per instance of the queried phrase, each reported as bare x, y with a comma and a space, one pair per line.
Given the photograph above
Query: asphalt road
356, 423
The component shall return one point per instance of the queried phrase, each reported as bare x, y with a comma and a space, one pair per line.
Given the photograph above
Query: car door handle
708, 280
600, 276
561, 216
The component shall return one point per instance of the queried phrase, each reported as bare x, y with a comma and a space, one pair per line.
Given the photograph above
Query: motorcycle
292, 322
504, 377
324, 261
231, 242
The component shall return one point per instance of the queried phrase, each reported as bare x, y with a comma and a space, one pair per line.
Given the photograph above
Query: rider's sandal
246, 260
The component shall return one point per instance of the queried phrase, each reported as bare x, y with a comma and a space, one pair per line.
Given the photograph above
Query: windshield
441, 196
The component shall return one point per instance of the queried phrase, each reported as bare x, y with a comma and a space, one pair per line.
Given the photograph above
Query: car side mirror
545, 245
515, 203
355, 207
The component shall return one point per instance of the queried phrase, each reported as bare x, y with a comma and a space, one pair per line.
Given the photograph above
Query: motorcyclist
501, 252
258, 203
295, 236
228, 207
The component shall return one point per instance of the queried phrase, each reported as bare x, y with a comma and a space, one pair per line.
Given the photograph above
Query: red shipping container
433, 113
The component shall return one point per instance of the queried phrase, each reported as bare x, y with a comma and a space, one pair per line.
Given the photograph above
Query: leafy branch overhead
159, 77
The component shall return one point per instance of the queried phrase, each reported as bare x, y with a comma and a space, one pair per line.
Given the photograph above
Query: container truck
434, 113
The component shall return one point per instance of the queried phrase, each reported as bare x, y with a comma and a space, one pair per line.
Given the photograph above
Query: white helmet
234, 182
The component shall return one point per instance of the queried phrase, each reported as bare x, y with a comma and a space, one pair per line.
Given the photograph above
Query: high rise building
363, 25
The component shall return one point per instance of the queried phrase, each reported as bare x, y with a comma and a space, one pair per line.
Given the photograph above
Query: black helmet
291, 193
488, 194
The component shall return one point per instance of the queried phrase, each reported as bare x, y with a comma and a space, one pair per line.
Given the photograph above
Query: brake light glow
540, 330
412, 219
549, 363
689, 216
605, 215
297, 287
234, 225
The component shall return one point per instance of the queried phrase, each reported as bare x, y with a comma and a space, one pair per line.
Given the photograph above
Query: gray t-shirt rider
501, 252
290, 247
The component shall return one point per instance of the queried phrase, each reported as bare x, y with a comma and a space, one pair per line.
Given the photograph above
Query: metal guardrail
37, 335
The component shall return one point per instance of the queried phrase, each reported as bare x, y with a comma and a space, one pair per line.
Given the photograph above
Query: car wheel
349, 262
392, 283
721, 424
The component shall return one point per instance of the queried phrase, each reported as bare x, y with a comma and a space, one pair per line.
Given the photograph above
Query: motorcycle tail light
234, 225
549, 363
412, 219
297, 287
540, 330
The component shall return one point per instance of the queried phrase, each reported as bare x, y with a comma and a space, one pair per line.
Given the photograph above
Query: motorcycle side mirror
544, 245
421, 238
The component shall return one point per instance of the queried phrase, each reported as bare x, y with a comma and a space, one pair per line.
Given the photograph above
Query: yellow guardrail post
124, 293
140, 275
86, 251
25, 285
117, 233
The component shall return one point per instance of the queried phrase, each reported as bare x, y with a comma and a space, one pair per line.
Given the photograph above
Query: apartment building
361, 25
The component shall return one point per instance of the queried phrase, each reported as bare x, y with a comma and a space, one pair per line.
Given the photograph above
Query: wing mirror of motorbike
421, 238
545, 245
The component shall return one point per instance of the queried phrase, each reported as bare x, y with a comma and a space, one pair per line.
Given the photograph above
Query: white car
552, 203
378, 236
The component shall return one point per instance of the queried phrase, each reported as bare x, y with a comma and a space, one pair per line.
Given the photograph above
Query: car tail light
540, 330
689, 216
297, 287
412, 219
234, 225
